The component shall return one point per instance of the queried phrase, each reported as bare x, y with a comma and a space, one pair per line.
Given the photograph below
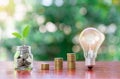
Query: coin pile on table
71, 59
44, 66
58, 63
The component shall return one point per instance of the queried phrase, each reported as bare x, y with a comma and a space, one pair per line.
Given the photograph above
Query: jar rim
23, 47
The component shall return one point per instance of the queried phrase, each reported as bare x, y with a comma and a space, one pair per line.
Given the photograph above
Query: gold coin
58, 59
44, 66
71, 57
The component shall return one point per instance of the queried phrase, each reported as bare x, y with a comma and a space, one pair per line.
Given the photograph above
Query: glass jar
23, 58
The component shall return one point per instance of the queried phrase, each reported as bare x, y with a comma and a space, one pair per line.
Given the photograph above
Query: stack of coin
71, 59
44, 66
58, 63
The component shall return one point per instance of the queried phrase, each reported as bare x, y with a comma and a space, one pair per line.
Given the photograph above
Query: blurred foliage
65, 22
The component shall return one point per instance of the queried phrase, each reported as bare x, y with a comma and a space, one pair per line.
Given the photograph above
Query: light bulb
90, 40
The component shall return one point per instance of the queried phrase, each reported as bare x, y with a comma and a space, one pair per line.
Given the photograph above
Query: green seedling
22, 36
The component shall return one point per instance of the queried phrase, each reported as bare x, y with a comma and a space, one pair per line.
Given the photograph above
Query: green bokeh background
56, 25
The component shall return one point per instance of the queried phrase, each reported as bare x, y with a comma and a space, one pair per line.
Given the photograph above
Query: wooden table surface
102, 70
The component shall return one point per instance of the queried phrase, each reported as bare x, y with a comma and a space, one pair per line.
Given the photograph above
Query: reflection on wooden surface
22, 74
89, 74
102, 70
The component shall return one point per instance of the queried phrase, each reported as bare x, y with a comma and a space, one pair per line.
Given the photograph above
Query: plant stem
23, 42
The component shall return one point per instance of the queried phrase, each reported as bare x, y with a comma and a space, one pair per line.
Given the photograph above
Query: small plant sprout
22, 36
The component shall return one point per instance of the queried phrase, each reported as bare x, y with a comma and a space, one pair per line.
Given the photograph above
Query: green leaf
17, 35
26, 31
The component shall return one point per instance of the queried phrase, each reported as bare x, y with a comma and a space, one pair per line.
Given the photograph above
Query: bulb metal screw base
90, 62
90, 67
